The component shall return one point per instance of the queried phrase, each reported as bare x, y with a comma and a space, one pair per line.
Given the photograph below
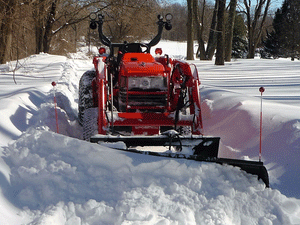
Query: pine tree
239, 41
284, 40
271, 46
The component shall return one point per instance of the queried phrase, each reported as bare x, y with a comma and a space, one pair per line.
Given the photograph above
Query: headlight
158, 83
147, 83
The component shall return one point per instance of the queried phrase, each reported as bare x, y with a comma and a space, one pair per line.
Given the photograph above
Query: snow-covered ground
49, 178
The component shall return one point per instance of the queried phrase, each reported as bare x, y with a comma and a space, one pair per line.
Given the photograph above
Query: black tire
85, 100
90, 123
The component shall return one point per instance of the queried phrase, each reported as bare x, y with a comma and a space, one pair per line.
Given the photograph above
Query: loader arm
161, 24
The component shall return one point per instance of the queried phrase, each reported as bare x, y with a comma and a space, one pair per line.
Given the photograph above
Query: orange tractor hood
140, 64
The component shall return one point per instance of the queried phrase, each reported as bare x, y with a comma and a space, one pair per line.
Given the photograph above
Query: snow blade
204, 149
252, 167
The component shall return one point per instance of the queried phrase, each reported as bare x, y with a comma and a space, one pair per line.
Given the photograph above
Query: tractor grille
144, 100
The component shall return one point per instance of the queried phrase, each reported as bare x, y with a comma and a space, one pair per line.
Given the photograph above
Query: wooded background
232, 28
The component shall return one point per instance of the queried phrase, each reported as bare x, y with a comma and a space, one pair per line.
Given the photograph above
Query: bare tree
22, 34
204, 15
53, 25
179, 12
130, 20
255, 22
199, 25
229, 29
212, 41
48, 30
220, 33
53, 16
190, 36
7, 10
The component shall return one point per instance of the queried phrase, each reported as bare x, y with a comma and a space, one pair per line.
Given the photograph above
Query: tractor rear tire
85, 100
90, 123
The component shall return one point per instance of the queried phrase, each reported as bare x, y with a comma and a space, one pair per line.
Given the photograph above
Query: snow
49, 178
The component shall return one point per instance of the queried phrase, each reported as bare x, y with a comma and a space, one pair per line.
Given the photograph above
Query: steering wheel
146, 46
138, 46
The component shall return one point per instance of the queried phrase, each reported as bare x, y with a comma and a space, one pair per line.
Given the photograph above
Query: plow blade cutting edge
203, 149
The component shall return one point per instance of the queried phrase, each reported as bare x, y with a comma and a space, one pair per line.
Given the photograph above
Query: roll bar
97, 21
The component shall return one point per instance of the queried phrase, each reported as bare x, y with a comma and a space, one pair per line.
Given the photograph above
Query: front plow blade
204, 149
252, 167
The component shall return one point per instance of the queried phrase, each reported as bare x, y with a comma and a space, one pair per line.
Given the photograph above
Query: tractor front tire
85, 100
90, 123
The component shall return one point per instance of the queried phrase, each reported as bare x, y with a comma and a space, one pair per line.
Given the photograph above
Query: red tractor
142, 100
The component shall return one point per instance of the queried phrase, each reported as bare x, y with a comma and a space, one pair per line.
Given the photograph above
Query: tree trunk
190, 40
38, 38
211, 44
251, 47
48, 28
38, 16
6, 29
199, 24
229, 30
253, 21
220, 33
5, 40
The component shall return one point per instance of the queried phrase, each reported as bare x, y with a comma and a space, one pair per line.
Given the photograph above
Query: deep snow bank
29, 104
75, 182
232, 99
20, 102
